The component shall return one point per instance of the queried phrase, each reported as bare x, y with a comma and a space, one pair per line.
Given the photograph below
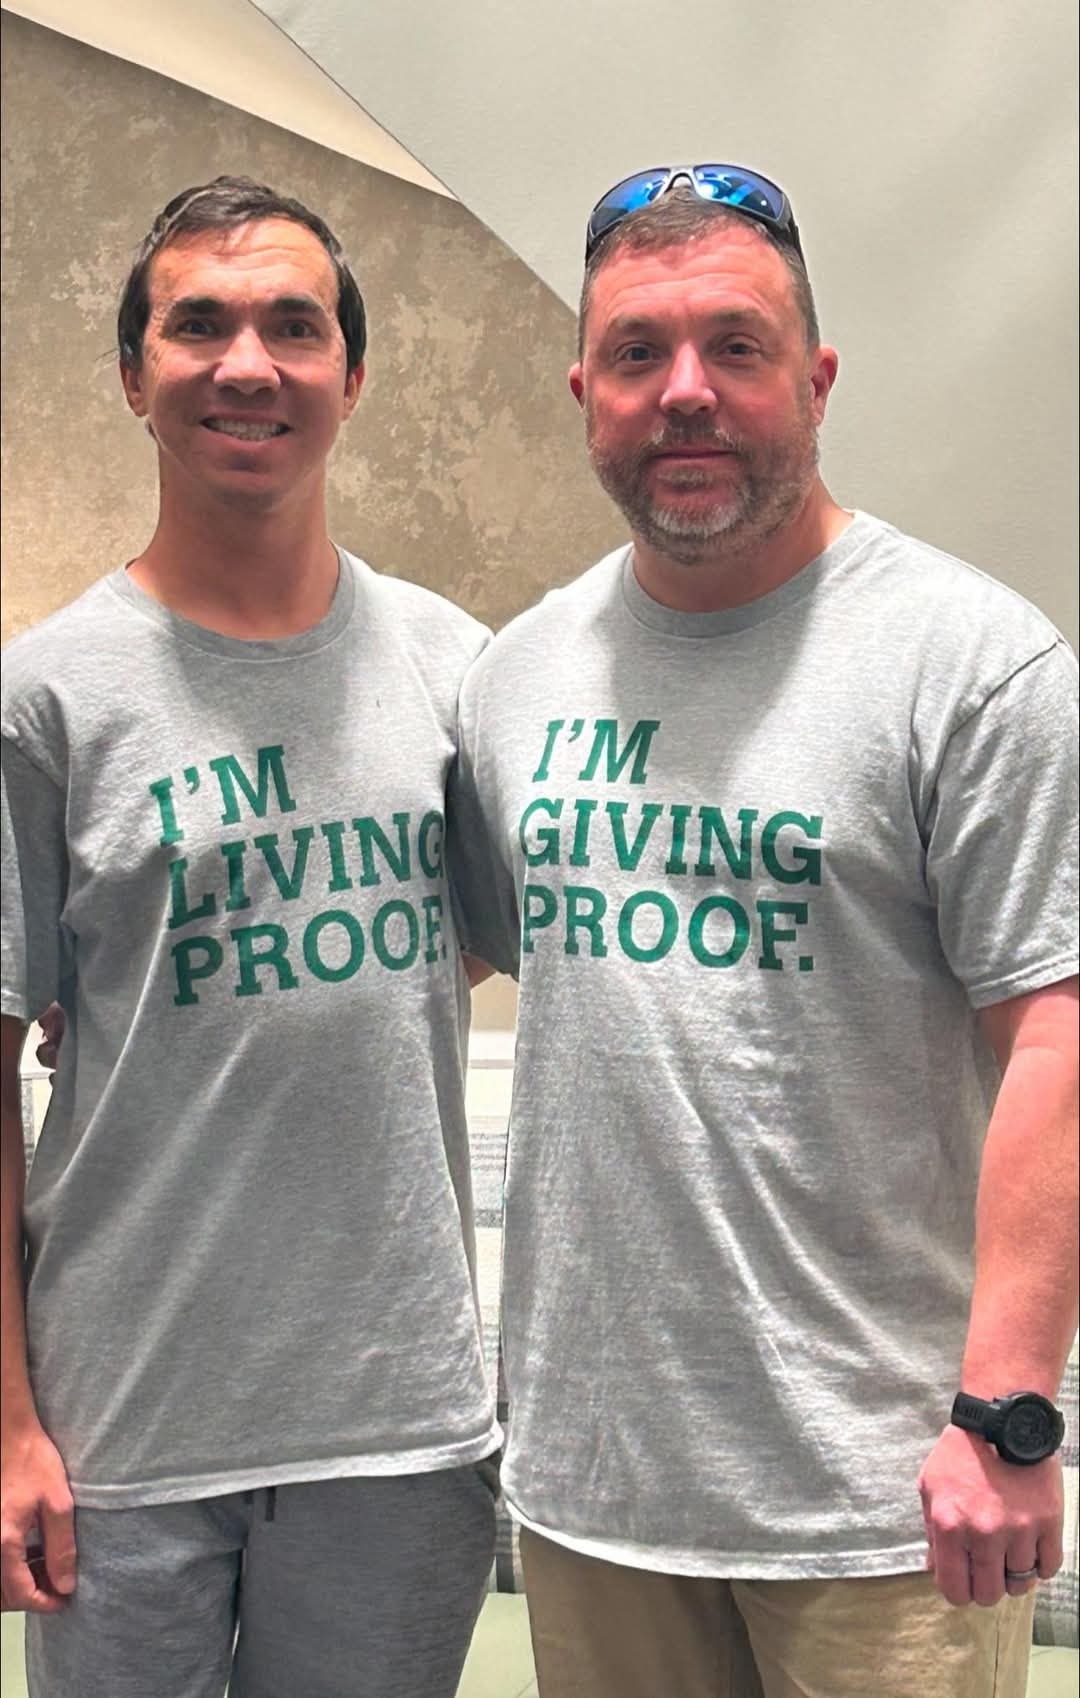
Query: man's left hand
985, 1516
53, 1024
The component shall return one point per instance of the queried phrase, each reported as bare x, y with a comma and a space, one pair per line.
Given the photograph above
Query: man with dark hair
226, 204
774, 814
245, 1412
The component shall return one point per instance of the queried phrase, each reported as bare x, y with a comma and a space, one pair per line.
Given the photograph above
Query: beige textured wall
464, 458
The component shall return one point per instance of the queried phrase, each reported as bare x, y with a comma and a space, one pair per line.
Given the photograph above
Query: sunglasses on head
725, 185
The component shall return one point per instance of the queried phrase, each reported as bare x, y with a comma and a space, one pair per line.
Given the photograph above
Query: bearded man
773, 812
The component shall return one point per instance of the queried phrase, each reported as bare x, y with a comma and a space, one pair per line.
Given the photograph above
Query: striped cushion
1057, 1605
488, 1099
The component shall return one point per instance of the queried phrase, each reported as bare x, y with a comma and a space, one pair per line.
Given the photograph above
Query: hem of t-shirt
186, 1488
737, 1565
1024, 981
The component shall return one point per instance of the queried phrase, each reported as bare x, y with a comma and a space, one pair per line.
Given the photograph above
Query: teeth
246, 429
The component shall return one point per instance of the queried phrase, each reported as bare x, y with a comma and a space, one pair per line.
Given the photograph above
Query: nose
246, 365
688, 388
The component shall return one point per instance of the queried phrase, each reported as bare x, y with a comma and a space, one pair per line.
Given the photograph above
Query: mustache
693, 433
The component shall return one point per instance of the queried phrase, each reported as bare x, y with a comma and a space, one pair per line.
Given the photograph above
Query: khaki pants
601, 1630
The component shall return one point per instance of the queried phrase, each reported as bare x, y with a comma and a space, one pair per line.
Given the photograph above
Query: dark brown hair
225, 204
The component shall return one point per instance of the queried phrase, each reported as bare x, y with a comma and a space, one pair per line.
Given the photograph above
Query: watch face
1029, 1430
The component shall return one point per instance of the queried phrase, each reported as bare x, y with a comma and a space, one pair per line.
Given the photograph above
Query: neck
732, 574
242, 571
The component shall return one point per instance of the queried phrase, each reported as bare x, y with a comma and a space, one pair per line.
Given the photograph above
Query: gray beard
773, 487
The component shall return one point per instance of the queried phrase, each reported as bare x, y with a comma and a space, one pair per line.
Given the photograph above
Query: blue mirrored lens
739, 189
728, 185
626, 197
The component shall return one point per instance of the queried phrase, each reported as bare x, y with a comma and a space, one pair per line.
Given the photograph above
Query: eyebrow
299, 303
637, 324
208, 305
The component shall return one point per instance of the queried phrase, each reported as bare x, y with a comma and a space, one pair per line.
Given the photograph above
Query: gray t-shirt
766, 864
248, 1218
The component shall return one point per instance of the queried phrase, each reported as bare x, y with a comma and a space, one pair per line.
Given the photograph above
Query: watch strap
971, 1413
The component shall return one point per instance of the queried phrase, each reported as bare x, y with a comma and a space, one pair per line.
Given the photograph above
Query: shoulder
948, 594
964, 633
75, 649
413, 613
564, 617
53, 639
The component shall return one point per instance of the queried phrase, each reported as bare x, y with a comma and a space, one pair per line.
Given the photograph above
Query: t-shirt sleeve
482, 889
1002, 848
33, 862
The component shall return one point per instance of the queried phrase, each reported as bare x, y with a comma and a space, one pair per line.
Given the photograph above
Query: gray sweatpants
365, 1588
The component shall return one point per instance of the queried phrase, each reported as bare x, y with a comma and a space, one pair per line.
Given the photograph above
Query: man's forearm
17, 1406
1024, 1305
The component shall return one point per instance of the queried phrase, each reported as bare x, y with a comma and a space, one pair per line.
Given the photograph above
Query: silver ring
1021, 1573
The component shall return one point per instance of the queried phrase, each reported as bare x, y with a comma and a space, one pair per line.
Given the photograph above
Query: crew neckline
673, 622
198, 636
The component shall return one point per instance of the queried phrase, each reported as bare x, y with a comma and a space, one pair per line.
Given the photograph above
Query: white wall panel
929, 150
229, 49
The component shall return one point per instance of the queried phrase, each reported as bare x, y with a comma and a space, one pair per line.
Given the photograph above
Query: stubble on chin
767, 493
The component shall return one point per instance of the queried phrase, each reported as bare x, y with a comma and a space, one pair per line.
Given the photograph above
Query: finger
928, 1525
952, 1571
52, 1022
1016, 1588
1051, 1554
1020, 1558
58, 1538
46, 1056
988, 1577
45, 1599
21, 1586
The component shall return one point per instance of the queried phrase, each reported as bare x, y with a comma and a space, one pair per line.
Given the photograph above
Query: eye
739, 349
634, 354
299, 330
196, 327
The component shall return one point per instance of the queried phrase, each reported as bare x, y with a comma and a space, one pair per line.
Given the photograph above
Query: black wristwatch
1025, 1427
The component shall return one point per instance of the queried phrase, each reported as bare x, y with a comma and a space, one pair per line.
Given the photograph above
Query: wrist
997, 1379
1024, 1427
20, 1422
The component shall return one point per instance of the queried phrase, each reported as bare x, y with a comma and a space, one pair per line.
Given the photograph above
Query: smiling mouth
246, 430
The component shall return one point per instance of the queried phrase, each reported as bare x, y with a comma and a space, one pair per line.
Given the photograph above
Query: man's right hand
34, 1495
